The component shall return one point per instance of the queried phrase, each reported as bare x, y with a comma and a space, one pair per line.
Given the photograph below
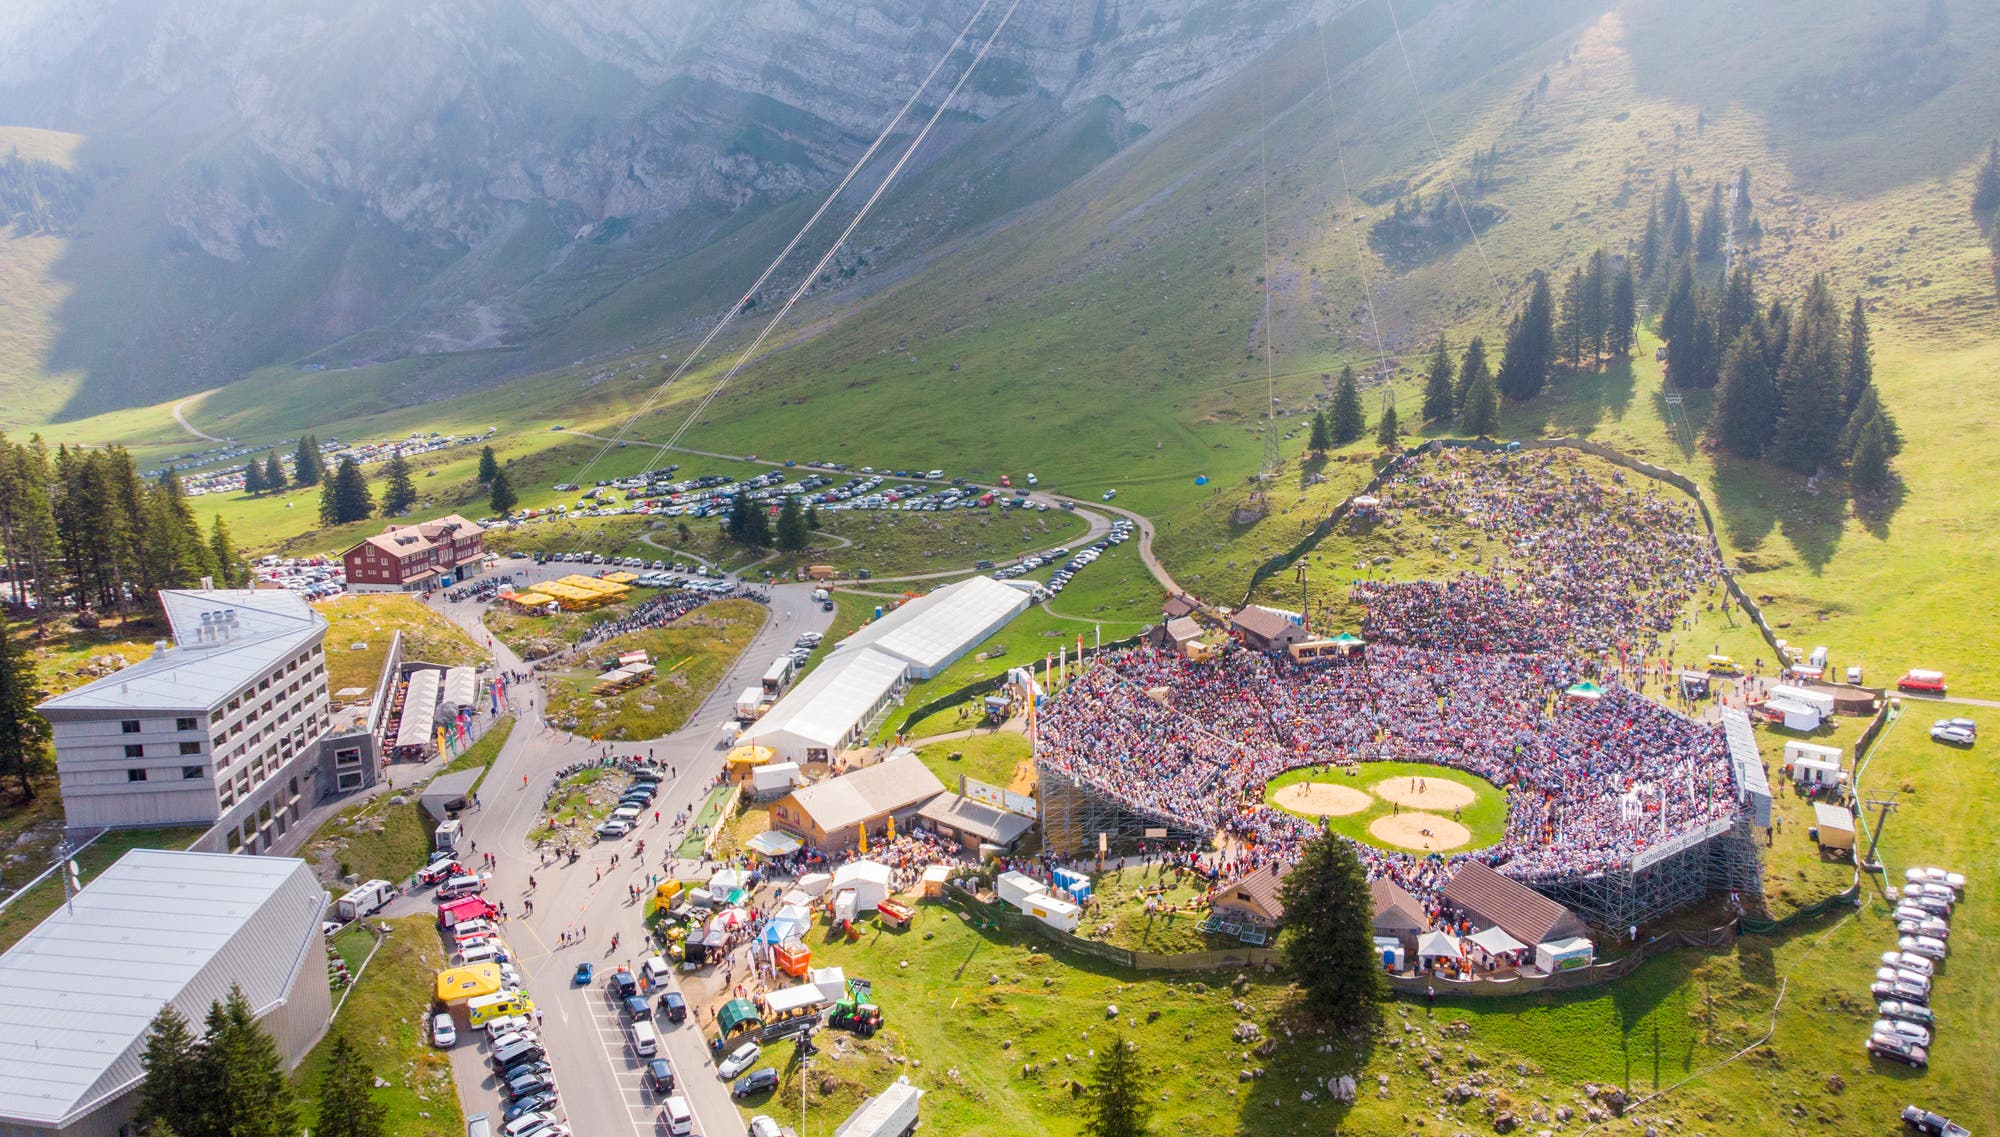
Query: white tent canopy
931, 632
772, 843
826, 711
419, 710
1494, 941
789, 999
1434, 944
461, 687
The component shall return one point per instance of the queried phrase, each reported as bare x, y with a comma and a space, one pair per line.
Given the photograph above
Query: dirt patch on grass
1425, 793
1421, 832
1321, 799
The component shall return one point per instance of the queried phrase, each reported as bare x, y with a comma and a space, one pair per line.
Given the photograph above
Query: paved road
181, 418
597, 1073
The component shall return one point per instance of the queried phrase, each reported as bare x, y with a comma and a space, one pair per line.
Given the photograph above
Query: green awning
737, 1014
1347, 639
1585, 690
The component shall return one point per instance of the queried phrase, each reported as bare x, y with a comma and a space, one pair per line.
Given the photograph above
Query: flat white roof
223, 639
833, 699
932, 628
79, 992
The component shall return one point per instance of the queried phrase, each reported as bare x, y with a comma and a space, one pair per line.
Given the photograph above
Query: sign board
1156, 834
976, 790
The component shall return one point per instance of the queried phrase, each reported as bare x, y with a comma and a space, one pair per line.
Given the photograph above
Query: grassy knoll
893, 543
372, 620
610, 536
691, 656
1486, 817
996, 759
1171, 927
352, 944
383, 1017
535, 636
30, 907
376, 839
66, 656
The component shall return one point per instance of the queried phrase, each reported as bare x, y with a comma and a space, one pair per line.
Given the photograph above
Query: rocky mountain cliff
468, 173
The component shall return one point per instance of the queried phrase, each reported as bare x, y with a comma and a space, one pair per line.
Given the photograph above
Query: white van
680, 1118
477, 953
645, 1040
655, 970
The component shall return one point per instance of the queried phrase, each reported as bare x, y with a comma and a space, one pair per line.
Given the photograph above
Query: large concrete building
220, 726
78, 994
412, 558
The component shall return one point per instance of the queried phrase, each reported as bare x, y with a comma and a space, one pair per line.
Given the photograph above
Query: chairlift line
1443, 163
728, 317
868, 206
1347, 211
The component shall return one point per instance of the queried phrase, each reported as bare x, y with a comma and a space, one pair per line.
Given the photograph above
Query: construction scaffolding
1073, 815
1720, 857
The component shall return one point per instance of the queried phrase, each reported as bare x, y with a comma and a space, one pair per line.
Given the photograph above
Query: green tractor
850, 1014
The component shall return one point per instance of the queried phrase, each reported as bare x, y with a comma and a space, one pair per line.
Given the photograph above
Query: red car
1918, 679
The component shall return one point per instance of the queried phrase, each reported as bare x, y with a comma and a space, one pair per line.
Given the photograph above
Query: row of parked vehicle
633, 802
1906, 1025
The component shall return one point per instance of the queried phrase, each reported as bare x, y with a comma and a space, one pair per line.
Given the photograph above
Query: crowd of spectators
1471, 674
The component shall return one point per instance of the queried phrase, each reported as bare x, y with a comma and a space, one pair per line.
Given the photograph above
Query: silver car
1923, 947
1898, 1027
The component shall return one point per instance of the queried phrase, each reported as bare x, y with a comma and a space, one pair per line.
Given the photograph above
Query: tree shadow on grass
1876, 509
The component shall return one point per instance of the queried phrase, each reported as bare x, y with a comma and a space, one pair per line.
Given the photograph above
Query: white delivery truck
448, 834
891, 1113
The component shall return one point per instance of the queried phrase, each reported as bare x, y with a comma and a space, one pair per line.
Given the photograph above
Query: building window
185, 724
135, 775
134, 751
190, 748
351, 780
190, 773
347, 757
129, 726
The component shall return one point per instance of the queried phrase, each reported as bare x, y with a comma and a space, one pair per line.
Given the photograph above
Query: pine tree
347, 1105
1986, 185
1348, 422
274, 473
28, 537
1320, 440
1869, 409
174, 1094
252, 1097
1869, 470
1678, 323
357, 502
1438, 384
1470, 370
757, 528
1649, 242
1572, 327
329, 505
1524, 366
1671, 201
1708, 238
503, 498
1328, 932
1117, 1104
488, 465
1680, 231
1738, 306
737, 525
1621, 315
1860, 376
1596, 305
228, 563
792, 534
307, 469
1386, 430
1481, 415
253, 478
1809, 385
812, 518
399, 488
1746, 406
24, 734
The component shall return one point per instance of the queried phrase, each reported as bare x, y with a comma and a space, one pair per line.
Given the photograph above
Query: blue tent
1201, 479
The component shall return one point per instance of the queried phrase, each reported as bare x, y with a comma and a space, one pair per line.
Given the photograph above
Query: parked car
739, 1060
660, 1076
679, 1117
585, 972
762, 1126
527, 1122
614, 828
623, 985
1912, 990
1932, 875
1923, 947
1902, 1028
440, 870
1923, 924
637, 1009
1931, 1124
761, 1080
533, 1103
1908, 1012
1905, 961
527, 1085
1897, 1049
443, 1034
505, 1024
674, 1007
1953, 735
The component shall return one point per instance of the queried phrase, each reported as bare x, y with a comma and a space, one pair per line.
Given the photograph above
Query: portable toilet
843, 907
792, 957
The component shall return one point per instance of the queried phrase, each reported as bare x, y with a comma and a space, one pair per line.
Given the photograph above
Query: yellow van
1723, 665
486, 1008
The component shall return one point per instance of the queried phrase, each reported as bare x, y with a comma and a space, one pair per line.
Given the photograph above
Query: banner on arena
1156, 834
996, 797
